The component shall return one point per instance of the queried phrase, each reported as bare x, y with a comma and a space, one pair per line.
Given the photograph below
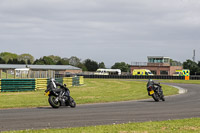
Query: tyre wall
17, 85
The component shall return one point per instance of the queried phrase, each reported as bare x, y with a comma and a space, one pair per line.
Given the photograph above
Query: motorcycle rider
53, 84
155, 85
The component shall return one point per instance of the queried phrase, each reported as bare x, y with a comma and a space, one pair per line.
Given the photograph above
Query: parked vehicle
59, 96
142, 72
108, 72
184, 72
155, 90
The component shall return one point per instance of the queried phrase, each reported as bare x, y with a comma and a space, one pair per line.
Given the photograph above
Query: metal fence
12, 74
193, 77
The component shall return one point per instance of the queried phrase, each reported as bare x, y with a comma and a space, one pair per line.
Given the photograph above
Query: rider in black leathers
53, 84
155, 85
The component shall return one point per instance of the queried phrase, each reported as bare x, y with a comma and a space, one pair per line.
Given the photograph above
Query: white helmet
52, 80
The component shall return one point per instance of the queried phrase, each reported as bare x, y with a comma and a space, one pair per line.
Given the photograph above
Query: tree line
85, 65
192, 66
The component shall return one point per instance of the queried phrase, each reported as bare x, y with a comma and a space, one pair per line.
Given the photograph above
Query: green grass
180, 81
169, 81
170, 126
93, 91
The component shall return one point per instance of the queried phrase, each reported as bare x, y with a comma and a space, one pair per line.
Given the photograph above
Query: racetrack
175, 107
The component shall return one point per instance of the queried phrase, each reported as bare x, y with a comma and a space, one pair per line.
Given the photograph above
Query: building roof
39, 67
157, 57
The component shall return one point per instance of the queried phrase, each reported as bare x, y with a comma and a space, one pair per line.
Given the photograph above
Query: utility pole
193, 55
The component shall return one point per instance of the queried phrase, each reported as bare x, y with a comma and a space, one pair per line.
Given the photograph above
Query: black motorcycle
156, 92
60, 97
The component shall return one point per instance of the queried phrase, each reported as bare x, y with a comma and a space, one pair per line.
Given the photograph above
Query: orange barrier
187, 77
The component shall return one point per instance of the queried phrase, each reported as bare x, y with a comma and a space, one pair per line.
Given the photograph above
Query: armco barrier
17, 85
138, 77
194, 77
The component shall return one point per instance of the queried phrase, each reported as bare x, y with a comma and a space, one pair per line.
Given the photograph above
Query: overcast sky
102, 30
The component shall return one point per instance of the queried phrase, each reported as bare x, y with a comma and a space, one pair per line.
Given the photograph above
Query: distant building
158, 65
37, 71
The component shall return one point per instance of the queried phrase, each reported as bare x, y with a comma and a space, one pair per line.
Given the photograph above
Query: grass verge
191, 125
94, 91
180, 81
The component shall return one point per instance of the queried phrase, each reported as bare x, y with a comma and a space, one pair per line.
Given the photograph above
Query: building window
151, 60
166, 60
163, 72
154, 72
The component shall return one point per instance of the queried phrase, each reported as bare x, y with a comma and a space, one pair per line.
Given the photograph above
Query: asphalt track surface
181, 106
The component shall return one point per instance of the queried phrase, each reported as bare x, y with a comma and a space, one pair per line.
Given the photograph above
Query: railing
155, 64
193, 77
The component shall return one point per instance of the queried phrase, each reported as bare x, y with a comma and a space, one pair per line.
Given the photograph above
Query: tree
26, 58
48, 61
63, 61
29, 62
74, 61
91, 65
122, 66
10, 61
6, 56
55, 58
101, 65
82, 66
192, 66
198, 63
44, 61
2, 61
22, 62
39, 62
15, 61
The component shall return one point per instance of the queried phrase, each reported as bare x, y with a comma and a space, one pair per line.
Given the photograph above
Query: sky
106, 31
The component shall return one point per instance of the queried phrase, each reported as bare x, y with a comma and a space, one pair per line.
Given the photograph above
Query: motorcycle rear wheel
155, 97
162, 98
53, 102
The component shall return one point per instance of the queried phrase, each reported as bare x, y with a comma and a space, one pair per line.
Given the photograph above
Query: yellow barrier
81, 80
40, 83
68, 81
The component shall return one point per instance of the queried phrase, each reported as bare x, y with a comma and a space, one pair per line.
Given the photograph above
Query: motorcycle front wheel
72, 103
54, 102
